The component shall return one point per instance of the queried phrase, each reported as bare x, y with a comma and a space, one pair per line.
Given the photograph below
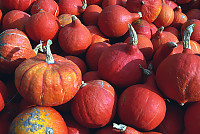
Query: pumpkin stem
84, 5
160, 29
120, 127
49, 131
172, 44
74, 17
38, 47
133, 35
142, 2
83, 84
145, 72
49, 56
186, 36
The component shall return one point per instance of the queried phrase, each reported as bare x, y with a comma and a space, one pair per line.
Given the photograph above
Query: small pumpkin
48, 80
15, 47
94, 105
38, 120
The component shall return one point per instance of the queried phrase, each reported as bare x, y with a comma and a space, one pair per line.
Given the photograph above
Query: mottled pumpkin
38, 120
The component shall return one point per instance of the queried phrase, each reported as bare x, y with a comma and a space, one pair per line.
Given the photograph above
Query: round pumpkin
94, 105
15, 47
48, 80
37, 120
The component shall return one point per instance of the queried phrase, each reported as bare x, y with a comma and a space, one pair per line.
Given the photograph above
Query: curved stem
145, 72
74, 17
142, 2
49, 56
38, 47
120, 127
186, 36
84, 6
161, 29
83, 84
133, 35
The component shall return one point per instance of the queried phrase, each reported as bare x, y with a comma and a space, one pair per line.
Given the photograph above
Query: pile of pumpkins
99, 66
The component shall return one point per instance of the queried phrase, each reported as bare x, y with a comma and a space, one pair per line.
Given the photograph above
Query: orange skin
48, 84
18, 50
38, 120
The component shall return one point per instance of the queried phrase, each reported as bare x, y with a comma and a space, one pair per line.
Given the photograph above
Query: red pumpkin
79, 62
90, 15
106, 3
42, 26
165, 17
145, 112
94, 106
162, 37
113, 20
183, 1
22, 5
54, 79
38, 120
173, 30
47, 5
94, 2
145, 46
171, 4
91, 75
196, 31
97, 35
153, 29
17, 51
179, 18
173, 122
191, 120
93, 54
193, 14
3, 91
181, 71
150, 9
120, 62
15, 19
74, 38
73, 7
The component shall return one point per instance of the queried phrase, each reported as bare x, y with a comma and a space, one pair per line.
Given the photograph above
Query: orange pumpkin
38, 120
48, 80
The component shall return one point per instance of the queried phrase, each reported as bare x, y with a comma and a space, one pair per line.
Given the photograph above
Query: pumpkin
93, 54
94, 2
173, 123
94, 105
196, 32
90, 15
2, 95
120, 62
38, 120
42, 26
140, 107
3, 91
153, 29
193, 14
181, 71
165, 17
150, 9
47, 5
91, 75
50, 80
171, 3
106, 3
173, 30
74, 38
97, 35
23, 5
73, 7
113, 20
162, 37
79, 62
179, 18
15, 19
191, 120
15, 47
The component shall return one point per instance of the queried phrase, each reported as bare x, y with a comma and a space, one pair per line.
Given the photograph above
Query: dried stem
49, 56
133, 35
186, 36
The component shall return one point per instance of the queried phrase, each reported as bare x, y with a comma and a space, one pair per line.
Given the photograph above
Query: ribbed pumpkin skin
15, 47
46, 84
94, 105
38, 120
178, 77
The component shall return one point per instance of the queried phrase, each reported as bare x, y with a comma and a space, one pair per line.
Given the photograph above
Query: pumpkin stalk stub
186, 36
172, 45
120, 127
83, 84
146, 72
49, 56
84, 6
133, 35
39, 47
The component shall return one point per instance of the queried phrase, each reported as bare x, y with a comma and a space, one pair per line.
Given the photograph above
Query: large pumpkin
38, 120
48, 81
15, 47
